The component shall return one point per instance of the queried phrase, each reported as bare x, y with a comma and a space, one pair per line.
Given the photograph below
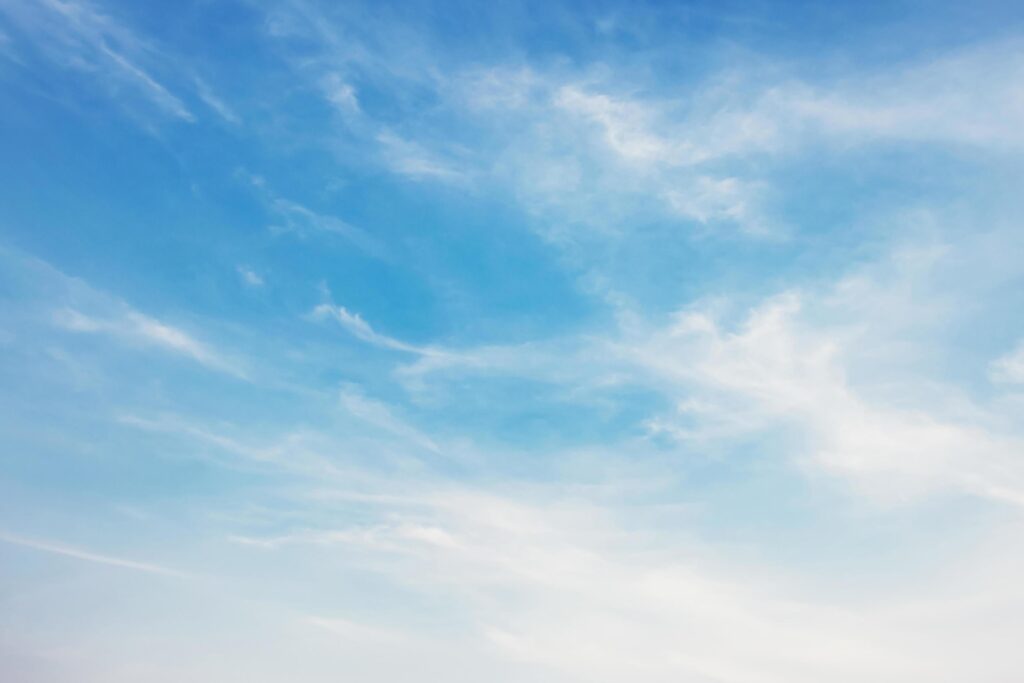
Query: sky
525, 342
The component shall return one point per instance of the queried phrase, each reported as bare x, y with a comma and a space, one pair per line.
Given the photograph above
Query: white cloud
49, 297
303, 222
360, 329
561, 585
156, 92
89, 556
214, 102
710, 200
840, 373
960, 98
497, 89
1009, 368
299, 451
779, 370
250, 277
411, 159
133, 326
964, 97
341, 94
379, 414
594, 151
355, 632
625, 124
585, 158
76, 36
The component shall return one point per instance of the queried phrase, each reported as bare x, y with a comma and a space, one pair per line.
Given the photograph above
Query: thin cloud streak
89, 556
360, 329
134, 326
76, 36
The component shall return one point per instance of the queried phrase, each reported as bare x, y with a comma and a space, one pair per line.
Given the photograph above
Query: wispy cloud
381, 415
785, 368
59, 301
624, 124
250, 277
356, 632
303, 222
341, 94
1009, 368
89, 556
411, 159
777, 371
214, 102
77, 36
558, 584
135, 327
360, 329
710, 201
728, 389
593, 149
299, 452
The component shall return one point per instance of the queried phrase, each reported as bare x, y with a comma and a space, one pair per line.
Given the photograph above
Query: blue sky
542, 342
